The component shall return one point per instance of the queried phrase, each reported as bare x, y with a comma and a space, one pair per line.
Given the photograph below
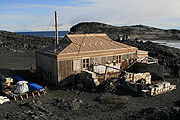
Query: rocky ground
161, 52
77, 104
17, 61
19, 43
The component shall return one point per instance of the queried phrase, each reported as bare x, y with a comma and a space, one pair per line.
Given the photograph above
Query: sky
38, 15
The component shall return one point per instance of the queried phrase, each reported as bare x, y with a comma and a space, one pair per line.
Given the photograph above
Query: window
117, 58
127, 56
86, 63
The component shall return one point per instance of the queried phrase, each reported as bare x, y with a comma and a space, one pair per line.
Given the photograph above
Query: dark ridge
139, 31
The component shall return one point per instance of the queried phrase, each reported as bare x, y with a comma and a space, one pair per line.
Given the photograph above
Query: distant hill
139, 31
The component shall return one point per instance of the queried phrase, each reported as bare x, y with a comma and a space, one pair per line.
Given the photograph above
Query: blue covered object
18, 78
34, 87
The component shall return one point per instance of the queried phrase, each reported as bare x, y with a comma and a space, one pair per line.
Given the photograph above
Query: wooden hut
76, 52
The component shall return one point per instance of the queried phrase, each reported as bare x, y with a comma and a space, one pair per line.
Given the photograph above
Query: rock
36, 111
76, 104
67, 104
156, 114
161, 52
112, 101
22, 43
176, 109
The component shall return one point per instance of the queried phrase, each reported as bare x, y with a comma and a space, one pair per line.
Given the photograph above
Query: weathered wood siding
65, 71
47, 66
68, 68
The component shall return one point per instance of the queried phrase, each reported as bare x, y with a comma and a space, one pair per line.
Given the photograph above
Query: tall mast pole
56, 27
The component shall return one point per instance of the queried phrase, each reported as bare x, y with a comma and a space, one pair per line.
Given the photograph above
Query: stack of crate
134, 77
161, 88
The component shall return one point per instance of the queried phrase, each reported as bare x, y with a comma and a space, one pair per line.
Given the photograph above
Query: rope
81, 44
50, 23
30, 64
104, 39
118, 44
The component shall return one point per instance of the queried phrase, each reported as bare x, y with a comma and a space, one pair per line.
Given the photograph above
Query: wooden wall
68, 68
64, 71
47, 67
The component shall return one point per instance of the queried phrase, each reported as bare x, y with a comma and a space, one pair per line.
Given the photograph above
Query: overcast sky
38, 15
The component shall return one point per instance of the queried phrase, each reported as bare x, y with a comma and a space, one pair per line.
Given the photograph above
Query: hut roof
88, 45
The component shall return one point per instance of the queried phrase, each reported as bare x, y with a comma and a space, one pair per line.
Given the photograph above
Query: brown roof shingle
86, 45
92, 42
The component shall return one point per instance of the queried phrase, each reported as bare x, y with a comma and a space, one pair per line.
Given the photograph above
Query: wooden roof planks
88, 45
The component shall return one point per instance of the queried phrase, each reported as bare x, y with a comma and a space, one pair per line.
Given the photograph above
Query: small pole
105, 75
56, 27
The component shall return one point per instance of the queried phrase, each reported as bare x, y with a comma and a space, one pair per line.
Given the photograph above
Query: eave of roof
97, 54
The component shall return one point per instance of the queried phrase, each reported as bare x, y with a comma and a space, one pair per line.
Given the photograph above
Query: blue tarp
34, 87
18, 78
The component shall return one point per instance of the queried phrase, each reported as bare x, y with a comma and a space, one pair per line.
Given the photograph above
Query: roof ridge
90, 34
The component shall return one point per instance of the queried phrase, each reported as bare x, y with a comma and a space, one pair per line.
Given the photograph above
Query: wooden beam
56, 28
105, 75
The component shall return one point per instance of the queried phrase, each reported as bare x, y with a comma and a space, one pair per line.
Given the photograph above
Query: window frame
85, 63
118, 58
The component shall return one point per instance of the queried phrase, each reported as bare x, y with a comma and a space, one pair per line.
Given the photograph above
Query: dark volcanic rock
111, 101
67, 104
139, 31
156, 114
13, 42
35, 111
161, 52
